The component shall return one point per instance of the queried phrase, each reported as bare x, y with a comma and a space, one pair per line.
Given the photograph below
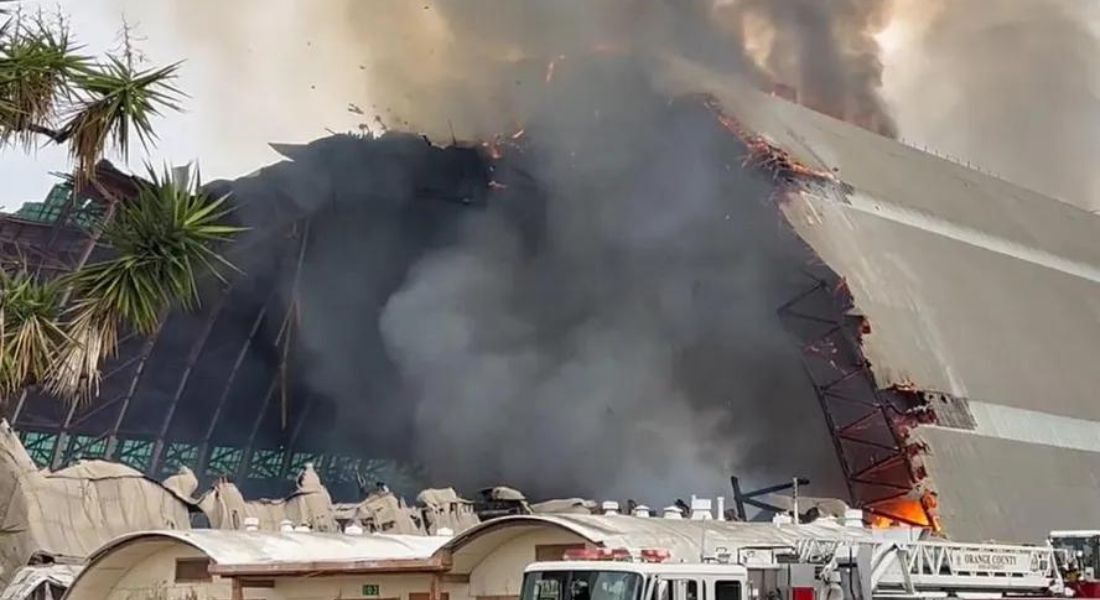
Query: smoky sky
627, 344
450, 65
1010, 86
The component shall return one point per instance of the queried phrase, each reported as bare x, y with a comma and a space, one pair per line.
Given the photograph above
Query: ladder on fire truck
926, 569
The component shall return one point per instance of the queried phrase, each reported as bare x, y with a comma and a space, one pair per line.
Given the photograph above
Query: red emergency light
655, 555
596, 554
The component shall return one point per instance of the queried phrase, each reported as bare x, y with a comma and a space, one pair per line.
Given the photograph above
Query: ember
765, 155
551, 66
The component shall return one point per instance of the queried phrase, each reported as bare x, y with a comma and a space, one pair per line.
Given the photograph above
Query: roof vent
303, 528
853, 517
672, 512
781, 519
700, 509
251, 524
286, 526
610, 507
353, 529
641, 511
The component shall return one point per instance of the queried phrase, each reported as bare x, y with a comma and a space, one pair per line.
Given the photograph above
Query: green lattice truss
225, 460
85, 213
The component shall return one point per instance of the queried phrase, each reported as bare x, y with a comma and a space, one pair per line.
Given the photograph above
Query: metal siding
1005, 490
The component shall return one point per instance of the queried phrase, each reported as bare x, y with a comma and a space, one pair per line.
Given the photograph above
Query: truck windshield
581, 585
1082, 555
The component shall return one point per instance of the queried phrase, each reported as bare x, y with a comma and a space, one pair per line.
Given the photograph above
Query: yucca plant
117, 103
164, 239
99, 104
37, 65
30, 333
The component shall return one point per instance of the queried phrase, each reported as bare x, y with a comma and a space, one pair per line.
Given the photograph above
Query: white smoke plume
1013, 87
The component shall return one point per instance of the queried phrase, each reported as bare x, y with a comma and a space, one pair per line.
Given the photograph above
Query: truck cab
1079, 558
626, 579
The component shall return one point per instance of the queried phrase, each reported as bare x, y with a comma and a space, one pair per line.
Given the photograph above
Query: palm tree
57, 332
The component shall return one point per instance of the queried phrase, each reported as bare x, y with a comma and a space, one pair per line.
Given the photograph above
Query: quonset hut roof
981, 298
257, 552
686, 540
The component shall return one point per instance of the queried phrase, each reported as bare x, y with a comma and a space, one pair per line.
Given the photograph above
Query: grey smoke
1011, 86
628, 344
826, 50
455, 77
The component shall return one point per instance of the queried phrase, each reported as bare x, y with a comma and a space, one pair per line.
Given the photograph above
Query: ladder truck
815, 569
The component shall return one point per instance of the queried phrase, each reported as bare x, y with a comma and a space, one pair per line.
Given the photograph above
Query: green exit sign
370, 590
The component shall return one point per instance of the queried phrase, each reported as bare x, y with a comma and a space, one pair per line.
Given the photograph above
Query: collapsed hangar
948, 330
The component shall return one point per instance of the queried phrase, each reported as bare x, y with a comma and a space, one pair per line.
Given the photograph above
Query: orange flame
907, 511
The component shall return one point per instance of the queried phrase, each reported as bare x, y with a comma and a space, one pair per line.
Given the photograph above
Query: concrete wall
500, 573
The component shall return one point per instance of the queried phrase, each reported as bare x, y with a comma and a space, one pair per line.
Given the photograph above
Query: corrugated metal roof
973, 286
686, 540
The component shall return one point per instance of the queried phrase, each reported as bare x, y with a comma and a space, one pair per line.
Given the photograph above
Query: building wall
154, 578
500, 573
390, 587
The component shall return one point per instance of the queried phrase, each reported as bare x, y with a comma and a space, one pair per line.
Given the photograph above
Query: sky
224, 129
274, 78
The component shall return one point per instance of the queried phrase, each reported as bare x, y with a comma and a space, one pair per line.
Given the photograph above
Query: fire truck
814, 569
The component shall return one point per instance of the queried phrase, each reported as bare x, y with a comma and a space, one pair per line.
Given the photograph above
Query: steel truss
864, 422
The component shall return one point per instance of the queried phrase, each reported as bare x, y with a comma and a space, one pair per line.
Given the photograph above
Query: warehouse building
261, 565
484, 563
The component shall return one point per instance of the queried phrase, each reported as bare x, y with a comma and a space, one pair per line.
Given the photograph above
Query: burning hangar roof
980, 299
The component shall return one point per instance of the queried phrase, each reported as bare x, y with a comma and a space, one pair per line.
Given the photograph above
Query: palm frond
37, 64
118, 102
165, 238
30, 335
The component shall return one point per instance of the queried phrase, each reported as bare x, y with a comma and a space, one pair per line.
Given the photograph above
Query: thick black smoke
600, 320
617, 335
